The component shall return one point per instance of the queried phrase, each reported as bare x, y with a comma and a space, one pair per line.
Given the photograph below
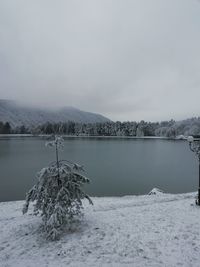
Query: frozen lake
116, 166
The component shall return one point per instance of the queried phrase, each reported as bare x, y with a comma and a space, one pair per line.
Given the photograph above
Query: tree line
164, 129
5, 128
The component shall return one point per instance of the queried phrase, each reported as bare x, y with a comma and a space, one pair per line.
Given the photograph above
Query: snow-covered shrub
58, 193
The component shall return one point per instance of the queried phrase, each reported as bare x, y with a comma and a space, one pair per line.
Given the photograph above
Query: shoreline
157, 193
95, 136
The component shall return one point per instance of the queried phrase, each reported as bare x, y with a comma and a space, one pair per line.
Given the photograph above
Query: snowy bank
151, 230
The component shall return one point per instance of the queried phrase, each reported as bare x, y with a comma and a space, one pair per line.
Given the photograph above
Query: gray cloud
129, 60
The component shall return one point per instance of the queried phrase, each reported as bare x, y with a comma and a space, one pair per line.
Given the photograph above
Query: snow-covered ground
151, 230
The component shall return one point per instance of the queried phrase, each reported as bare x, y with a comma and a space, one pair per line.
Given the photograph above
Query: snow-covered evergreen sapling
58, 193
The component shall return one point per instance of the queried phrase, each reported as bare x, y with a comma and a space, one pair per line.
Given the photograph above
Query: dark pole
195, 147
198, 201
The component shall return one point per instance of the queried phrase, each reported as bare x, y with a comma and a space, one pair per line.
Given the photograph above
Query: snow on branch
58, 193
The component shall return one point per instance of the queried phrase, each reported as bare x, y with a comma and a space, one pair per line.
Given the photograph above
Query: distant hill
18, 115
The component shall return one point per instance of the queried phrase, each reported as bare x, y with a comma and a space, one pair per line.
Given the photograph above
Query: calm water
116, 166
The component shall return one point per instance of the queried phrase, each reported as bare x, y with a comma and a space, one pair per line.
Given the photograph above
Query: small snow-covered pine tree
58, 193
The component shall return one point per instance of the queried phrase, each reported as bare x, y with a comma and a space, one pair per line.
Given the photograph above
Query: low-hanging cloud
129, 60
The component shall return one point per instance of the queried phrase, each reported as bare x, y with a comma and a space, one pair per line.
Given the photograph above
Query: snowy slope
152, 230
18, 115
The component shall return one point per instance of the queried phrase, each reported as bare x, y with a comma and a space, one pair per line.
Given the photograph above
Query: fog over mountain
17, 115
128, 60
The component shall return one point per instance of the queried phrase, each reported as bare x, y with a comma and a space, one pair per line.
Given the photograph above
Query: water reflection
116, 166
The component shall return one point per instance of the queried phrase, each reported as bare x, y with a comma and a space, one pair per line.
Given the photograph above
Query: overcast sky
125, 59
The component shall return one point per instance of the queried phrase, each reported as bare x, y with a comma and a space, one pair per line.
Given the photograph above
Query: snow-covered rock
156, 191
181, 137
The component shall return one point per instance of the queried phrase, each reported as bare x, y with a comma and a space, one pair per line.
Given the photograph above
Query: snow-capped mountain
18, 115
